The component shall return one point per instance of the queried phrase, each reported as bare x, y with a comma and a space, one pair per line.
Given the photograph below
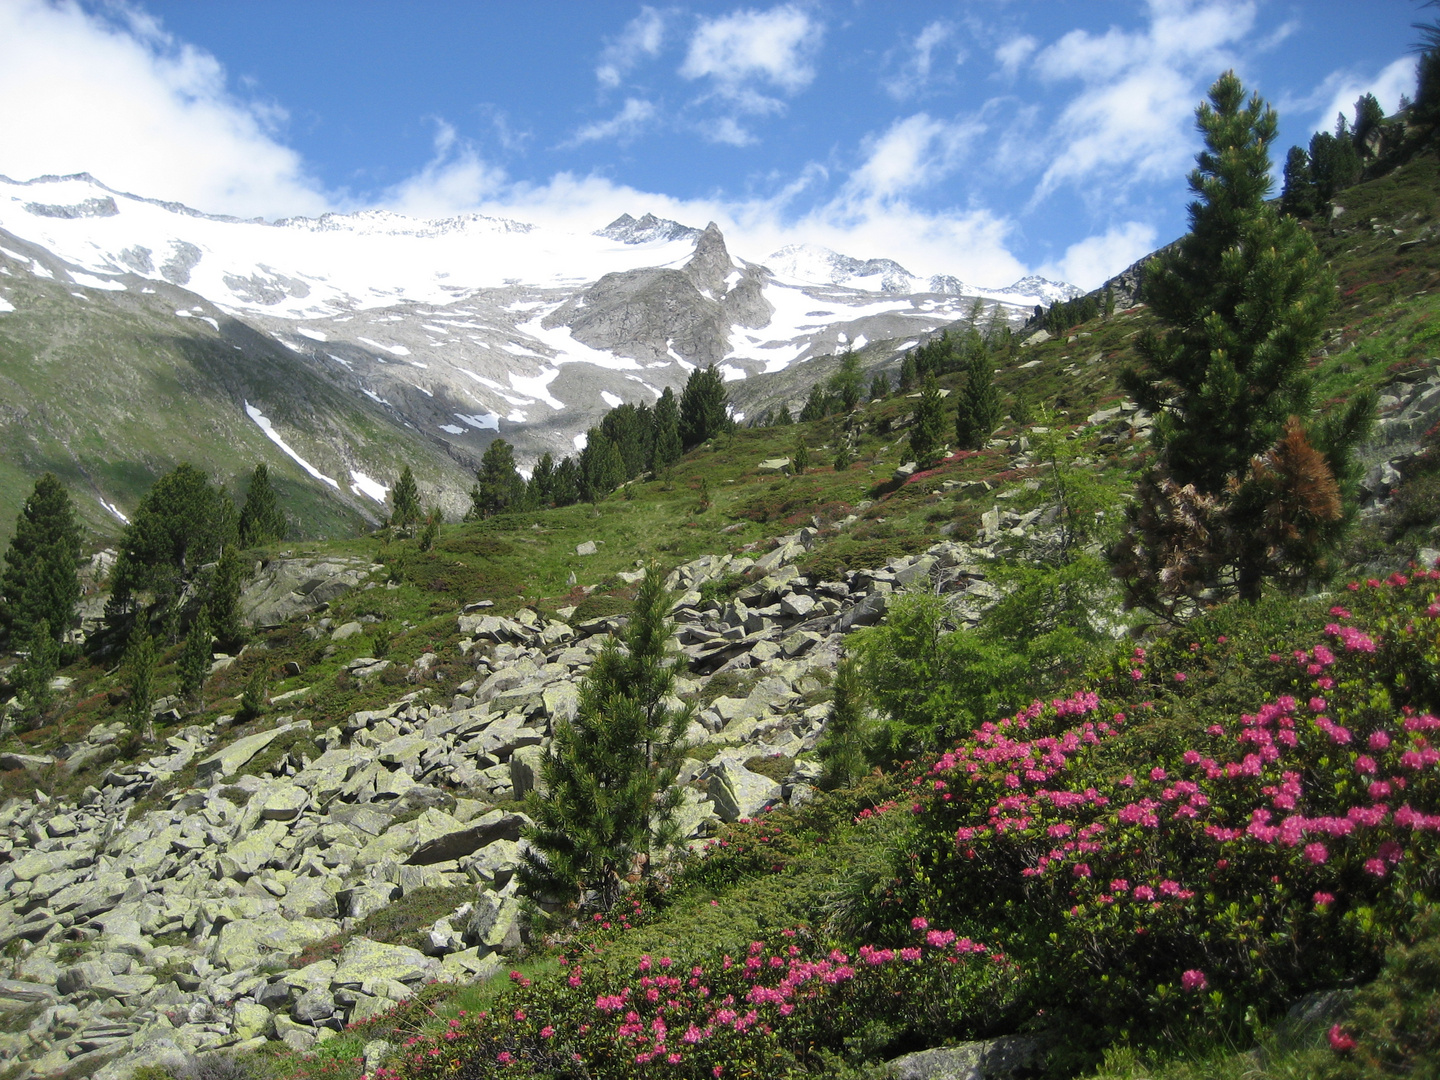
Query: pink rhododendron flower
1324, 899
1194, 981
1339, 1041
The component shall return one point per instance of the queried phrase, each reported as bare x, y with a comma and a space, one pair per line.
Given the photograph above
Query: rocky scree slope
138, 931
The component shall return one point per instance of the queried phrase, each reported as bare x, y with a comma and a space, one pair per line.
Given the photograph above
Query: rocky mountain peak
711, 264
646, 230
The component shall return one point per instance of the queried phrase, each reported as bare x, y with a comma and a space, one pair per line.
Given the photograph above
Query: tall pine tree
609, 775
39, 582
667, 449
1241, 300
928, 429
498, 485
405, 500
139, 666
182, 523
195, 659
703, 407
979, 408
261, 519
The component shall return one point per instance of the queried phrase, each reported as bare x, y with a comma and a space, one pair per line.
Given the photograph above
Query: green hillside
110, 389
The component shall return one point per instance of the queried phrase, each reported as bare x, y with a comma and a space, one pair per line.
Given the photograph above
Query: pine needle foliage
32, 677
844, 749
609, 775
39, 582
195, 658
927, 432
140, 662
405, 500
979, 408
261, 519
224, 602
1243, 298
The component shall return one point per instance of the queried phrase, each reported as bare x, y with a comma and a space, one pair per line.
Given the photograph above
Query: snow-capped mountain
464, 327
1035, 290
813, 264
646, 230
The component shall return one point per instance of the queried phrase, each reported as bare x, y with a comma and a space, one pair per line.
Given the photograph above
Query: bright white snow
613, 400
313, 335
274, 436
361, 484
397, 350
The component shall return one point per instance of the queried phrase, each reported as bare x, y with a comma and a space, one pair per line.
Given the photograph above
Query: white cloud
624, 125
456, 178
1342, 89
1013, 53
1090, 262
918, 67
775, 47
1132, 118
141, 112
913, 152
641, 38
727, 130
151, 115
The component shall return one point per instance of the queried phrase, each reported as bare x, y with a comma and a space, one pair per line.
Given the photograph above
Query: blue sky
983, 138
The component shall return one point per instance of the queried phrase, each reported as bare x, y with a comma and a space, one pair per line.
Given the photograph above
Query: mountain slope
440, 334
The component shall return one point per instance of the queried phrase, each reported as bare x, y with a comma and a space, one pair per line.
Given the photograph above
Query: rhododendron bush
1249, 855
773, 1008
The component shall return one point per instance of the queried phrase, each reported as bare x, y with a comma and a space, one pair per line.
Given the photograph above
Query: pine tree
925, 434
195, 658
1369, 115
32, 677
565, 486
405, 500
908, 373
880, 387
256, 697
667, 432
1021, 411
843, 457
844, 745
181, 524
703, 407
979, 408
783, 417
139, 665
601, 469
1298, 197
498, 484
39, 582
817, 405
430, 532
224, 600
261, 519
1426, 108
609, 794
845, 384
1334, 162
540, 491
1242, 298
800, 457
